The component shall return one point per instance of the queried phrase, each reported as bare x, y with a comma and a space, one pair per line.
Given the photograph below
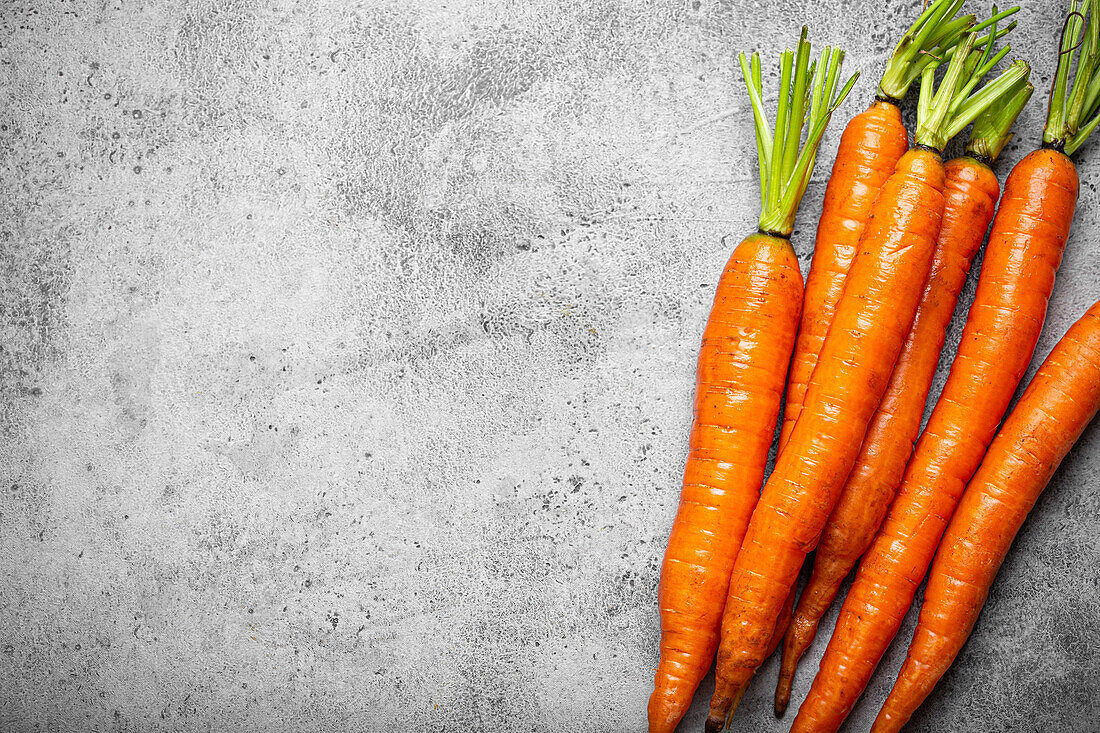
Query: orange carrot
1050, 417
1052, 412
739, 382
870, 148
1025, 248
872, 319
742, 363
972, 192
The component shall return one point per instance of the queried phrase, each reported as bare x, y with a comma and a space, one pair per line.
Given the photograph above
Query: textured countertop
347, 362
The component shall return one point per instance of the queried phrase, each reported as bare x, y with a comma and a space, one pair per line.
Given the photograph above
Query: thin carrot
870, 148
972, 192
1051, 415
1025, 248
742, 365
874, 314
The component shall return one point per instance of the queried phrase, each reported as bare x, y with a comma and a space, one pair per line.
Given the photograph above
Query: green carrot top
1072, 115
808, 96
931, 39
993, 127
943, 113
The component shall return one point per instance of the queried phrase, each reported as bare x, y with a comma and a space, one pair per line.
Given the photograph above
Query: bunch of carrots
856, 481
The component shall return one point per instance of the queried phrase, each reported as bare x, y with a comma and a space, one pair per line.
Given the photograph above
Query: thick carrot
1025, 248
1048, 420
873, 316
972, 192
870, 148
739, 383
742, 363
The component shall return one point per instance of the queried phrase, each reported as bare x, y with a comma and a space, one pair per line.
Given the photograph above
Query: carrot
972, 192
1053, 411
1025, 248
870, 148
1051, 415
873, 316
742, 365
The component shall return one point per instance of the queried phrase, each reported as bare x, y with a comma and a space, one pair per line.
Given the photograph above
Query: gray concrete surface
347, 358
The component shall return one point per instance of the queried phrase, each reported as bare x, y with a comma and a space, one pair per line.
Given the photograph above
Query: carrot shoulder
1051, 415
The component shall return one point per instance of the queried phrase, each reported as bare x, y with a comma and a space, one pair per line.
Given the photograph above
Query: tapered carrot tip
783, 692
665, 723
793, 649
722, 710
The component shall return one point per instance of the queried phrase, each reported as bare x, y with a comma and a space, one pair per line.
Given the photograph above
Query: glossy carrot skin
872, 319
971, 199
742, 365
870, 147
1050, 417
1025, 248
782, 622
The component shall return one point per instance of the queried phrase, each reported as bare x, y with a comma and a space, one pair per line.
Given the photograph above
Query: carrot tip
782, 699
715, 725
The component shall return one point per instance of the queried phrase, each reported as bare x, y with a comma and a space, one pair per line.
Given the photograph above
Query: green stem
798, 102
933, 109
944, 51
782, 122
1075, 142
784, 168
935, 28
1073, 104
992, 95
993, 127
944, 113
763, 131
994, 35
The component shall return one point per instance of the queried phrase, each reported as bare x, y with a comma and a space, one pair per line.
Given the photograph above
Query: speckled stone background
347, 351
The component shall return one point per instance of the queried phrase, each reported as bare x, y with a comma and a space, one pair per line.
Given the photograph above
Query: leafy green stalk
993, 127
782, 120
936, 27
932, 41
785, 168
934, 105
1075, 94
992, 37
763, 134
944, 112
